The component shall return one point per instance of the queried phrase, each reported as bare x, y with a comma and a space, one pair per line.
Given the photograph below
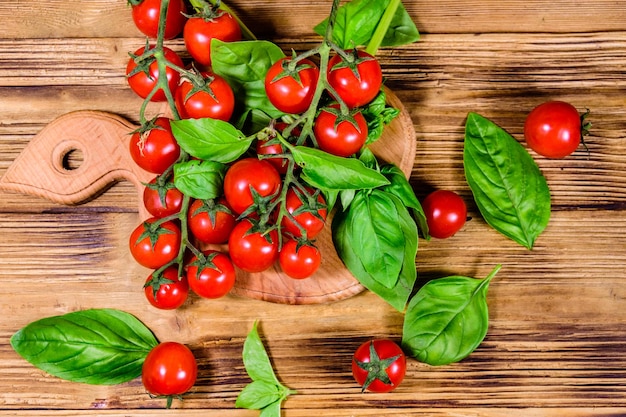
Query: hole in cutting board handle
72, 159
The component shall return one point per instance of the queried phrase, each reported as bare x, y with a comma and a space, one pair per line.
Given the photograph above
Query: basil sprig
447, 319
265, 392
97, 346
509, 189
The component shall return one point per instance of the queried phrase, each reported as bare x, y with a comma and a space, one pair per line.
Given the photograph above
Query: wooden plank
283, 18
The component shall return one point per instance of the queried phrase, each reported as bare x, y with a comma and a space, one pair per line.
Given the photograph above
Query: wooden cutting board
101, 141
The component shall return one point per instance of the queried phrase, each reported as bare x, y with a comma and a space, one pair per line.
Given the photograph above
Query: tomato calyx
262, 206
161, 184
143, 61
204, 260
291, 67
157, 279
200, 82
351, 59
211, 207
376, 368
153, 230
206, 11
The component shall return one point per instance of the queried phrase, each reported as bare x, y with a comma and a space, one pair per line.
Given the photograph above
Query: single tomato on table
554, 129
445, 212
170, 369
379, 365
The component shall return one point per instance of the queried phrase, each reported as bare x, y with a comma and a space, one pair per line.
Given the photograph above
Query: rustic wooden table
556, 343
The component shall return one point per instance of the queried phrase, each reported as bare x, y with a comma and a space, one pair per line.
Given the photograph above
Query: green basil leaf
98, 346
400, 187
257, 395
447, 319
356, 22
329, 172
255, 358
202, 180
244, 65
397, 296
272, 410
377, 236
378, 114
508, 187
210, 139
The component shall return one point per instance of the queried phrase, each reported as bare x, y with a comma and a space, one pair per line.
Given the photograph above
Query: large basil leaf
447, 319
210, 139
244, 65
343, 227
98, 346
329, 172
357, 20
508, 187
202, 180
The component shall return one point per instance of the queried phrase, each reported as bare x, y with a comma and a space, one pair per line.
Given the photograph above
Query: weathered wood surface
557, 341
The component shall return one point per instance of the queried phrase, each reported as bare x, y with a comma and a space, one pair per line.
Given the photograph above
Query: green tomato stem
382, 27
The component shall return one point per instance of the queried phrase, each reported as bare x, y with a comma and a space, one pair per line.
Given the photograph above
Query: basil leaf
99, 346
508, 187
377, 236
329, 172
210, 139
397, 296
257, 395
356, 22
447, 319
244, 65
201, 180
265, 392
378, 114
400, 187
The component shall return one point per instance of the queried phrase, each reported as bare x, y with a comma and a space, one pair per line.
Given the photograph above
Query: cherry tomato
249, 173
338, 135
379, 365
143, 76
199, 31
153, 245
553, 129
308, 210
355, 91
212, 276
169, 369
146, 17
299, 261
251, 250
291, 91
162, 199
155, 149
215, 101
272, 146
165, 291
445, 212
211, 221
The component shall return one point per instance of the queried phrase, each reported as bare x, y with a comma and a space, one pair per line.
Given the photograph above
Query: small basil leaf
210, 139
447, 319
402, 30
98, 346
255, 358
329, 172
244, 65
378, 114
400, 187
397, 296
257, 395
202, 180
377, 236
508, 187
272, 410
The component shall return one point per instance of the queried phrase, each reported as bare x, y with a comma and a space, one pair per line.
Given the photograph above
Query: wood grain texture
556, 342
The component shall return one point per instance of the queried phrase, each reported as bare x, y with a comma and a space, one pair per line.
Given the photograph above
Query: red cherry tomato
343, 138
156, 149
379, 365
445, 212
355, 91
212, 276
291, 91
249, 173
553, 129
169, 369
250, 250
299, 261
146, 17
199, 32
142, 77
162, 200
217, 101
211, 221
155, 245
308, 211
165, 291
